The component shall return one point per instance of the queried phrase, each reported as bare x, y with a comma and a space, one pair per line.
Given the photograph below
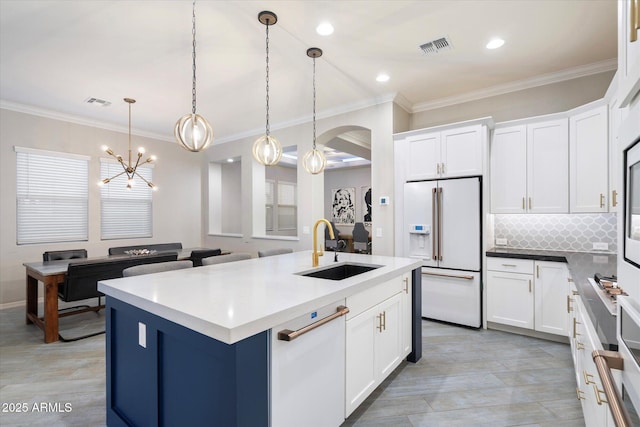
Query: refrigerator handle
440, 223
433, 224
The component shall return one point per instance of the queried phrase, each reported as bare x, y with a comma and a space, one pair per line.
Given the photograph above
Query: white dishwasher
308, 369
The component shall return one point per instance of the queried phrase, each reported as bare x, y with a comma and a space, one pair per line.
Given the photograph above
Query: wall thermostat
384, 200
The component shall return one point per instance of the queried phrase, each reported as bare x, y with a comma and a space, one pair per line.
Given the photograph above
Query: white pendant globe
267, 150
314, 161
193, 132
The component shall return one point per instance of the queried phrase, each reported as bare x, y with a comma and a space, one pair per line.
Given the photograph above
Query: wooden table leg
32, 298
49, 323
51, 308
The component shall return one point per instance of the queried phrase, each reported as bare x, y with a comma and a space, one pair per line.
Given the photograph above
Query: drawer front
510, 265
361, 302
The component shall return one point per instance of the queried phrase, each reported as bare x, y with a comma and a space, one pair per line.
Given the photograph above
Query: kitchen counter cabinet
191, 347
581, 266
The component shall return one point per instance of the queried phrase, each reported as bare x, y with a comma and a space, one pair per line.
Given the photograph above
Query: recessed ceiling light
495, 43
382, 77
229, 160
324, 29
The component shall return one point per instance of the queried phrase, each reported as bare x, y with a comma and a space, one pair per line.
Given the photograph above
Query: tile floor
465, 378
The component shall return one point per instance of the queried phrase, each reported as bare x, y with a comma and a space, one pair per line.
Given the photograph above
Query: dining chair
158, 267
276, 251
360, 238
66, 254
238, 256
198, 254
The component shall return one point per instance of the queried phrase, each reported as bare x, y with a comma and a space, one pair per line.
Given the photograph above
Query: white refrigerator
442, 227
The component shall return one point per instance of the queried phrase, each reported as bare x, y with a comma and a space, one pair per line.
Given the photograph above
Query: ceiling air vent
98, 102
437, 45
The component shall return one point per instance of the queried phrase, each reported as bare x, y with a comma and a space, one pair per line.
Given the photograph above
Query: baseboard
527, 332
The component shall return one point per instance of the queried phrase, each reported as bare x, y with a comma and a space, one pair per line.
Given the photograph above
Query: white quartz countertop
233, 301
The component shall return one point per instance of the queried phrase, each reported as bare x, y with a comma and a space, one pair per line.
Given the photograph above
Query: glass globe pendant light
192, 131
314, 161
267, 150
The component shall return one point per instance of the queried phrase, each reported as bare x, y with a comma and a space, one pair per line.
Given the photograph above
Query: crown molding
78, 120
542, 80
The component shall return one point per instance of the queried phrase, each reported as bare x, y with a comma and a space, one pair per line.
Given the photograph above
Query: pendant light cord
314, 102
193, 87
267, 68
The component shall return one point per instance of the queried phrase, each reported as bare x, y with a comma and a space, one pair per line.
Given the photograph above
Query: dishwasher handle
289, 335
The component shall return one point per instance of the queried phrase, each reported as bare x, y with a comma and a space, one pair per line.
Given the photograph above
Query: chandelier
130, 169
192, 131
314, 161
267, 150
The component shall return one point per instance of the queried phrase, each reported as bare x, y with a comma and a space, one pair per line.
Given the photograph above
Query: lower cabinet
528, 294
589, 390
375, 335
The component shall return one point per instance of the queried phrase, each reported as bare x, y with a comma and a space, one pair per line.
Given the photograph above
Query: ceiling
54, 55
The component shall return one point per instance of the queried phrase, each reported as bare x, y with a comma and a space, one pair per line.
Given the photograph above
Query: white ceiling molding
542, 80
69, 118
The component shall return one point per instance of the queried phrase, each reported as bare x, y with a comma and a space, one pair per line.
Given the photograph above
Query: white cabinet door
510, 299
389, 336
461, 152
548, 167
508, 170
628, 54
588, 154
615, 163
423, 156
360, 359
551, 291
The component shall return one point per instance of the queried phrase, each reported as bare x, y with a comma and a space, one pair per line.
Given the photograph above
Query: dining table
51, 273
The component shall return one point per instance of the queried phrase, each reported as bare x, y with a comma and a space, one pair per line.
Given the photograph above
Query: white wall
176, 204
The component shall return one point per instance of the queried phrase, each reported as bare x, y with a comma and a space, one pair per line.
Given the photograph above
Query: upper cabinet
628, 50
588, 148
443, 152
529, 168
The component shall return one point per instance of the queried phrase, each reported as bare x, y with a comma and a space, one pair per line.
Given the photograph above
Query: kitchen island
194, 346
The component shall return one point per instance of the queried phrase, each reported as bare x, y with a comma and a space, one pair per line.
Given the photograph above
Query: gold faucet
317, 254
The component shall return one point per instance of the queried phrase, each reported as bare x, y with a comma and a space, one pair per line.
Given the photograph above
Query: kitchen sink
340, 271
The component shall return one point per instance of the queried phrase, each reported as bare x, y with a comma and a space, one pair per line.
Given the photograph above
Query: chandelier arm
142, 178
117, 175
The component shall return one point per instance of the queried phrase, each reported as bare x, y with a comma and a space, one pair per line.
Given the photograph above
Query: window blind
52, 196
125, 213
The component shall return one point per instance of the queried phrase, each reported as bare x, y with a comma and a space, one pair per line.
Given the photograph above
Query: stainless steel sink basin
340, 271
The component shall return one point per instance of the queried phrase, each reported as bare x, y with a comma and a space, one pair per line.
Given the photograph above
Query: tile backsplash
559, 232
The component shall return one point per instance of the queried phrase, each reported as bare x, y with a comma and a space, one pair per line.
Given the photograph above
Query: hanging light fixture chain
267, 69
193, 33
314, 103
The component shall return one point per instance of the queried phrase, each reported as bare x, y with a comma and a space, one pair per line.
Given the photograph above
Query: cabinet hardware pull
440, 222
597, 392
384, 320
579, 345
588, 378
443, 168
379, 327
529, 285
453, 276
438, 168
569, 279
406, 285
569, 308
530, 204
614, 198
433, 223
574, 292
537, 271
523, 203
579, 394
509, 265
289, 335
575, 323
601, 200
